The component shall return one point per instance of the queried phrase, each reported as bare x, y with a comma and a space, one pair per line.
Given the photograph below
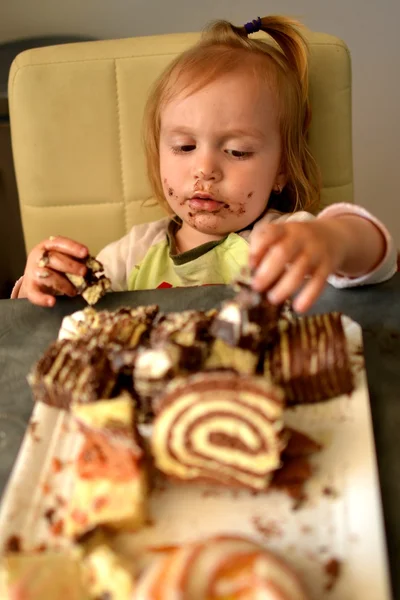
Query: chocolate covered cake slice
243, 328
220, 427
72, 371
94, 284
310, 360
128, 327
186, 328
110, 479
155, 367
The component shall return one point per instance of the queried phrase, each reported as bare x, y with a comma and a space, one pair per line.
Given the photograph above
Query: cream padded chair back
76, 112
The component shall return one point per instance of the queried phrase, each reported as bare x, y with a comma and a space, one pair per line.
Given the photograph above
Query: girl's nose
206, 169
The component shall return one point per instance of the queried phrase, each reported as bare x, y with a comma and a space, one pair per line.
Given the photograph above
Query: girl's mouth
204, 202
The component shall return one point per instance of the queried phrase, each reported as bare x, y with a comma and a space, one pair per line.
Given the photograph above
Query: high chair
76, 111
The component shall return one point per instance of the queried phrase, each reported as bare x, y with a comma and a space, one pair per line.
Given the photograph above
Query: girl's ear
280, 181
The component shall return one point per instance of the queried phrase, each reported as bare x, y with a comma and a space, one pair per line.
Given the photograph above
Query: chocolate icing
310, 359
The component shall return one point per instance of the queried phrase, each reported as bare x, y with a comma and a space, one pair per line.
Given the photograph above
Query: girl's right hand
44, 276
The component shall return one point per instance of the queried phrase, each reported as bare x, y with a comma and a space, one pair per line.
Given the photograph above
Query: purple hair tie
253, 26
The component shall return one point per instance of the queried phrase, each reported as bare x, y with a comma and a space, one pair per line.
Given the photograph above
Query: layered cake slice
110, 481
242, 329
220, 427
127, 327
187, 328
72, 371
221, 568
310, 359
94, 284
154, 368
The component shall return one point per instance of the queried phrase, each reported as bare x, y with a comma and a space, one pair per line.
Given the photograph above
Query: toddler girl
226, 143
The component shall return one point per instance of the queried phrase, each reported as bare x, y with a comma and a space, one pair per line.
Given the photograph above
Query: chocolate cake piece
247, 321
72, 371
185, 328
220, 427
126, 326
155, 367
94, 284
223, 356
310, 359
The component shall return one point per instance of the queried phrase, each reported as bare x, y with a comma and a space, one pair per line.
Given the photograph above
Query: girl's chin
210, 223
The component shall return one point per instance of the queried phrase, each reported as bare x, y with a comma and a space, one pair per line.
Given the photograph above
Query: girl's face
220, 155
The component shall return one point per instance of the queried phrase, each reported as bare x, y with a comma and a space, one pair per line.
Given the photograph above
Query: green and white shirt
146, 258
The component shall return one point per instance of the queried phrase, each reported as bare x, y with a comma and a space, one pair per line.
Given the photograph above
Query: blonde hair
280, 59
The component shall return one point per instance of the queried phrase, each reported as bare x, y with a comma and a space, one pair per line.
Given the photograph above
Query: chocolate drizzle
310, 359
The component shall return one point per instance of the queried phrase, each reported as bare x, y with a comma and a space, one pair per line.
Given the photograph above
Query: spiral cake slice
220, 568
220, 427
310, 360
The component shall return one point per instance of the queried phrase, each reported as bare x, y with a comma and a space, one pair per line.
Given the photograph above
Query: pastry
221, 568
219, 427
94, 284
310, 359
110, 480
72, 371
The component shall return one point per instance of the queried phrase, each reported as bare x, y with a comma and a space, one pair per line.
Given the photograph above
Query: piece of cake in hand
220, 568
220, 427
110, 479
310, 360
45, 576
94, 284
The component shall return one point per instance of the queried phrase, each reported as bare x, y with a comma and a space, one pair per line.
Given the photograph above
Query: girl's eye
183, 149
238, 153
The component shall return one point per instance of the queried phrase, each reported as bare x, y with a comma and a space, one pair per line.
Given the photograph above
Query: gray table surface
26, 330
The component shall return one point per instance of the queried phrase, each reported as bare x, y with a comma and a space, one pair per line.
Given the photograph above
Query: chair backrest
76, 112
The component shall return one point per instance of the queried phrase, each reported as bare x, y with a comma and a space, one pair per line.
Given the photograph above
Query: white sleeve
387, 266
383, 271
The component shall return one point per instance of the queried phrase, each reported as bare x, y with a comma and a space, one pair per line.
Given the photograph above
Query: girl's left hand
283, 255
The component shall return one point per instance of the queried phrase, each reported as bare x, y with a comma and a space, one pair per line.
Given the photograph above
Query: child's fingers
275, 262
263, 237
312, 289
291, 280
36, 296
61, 262
65, 246
47, 279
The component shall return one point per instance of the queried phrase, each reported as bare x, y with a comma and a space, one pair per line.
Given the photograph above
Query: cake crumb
329, 491
46, 489
306, 529
13, 544
60, 500
56, 465
57, 527
267, 528
332, 569
49, 515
